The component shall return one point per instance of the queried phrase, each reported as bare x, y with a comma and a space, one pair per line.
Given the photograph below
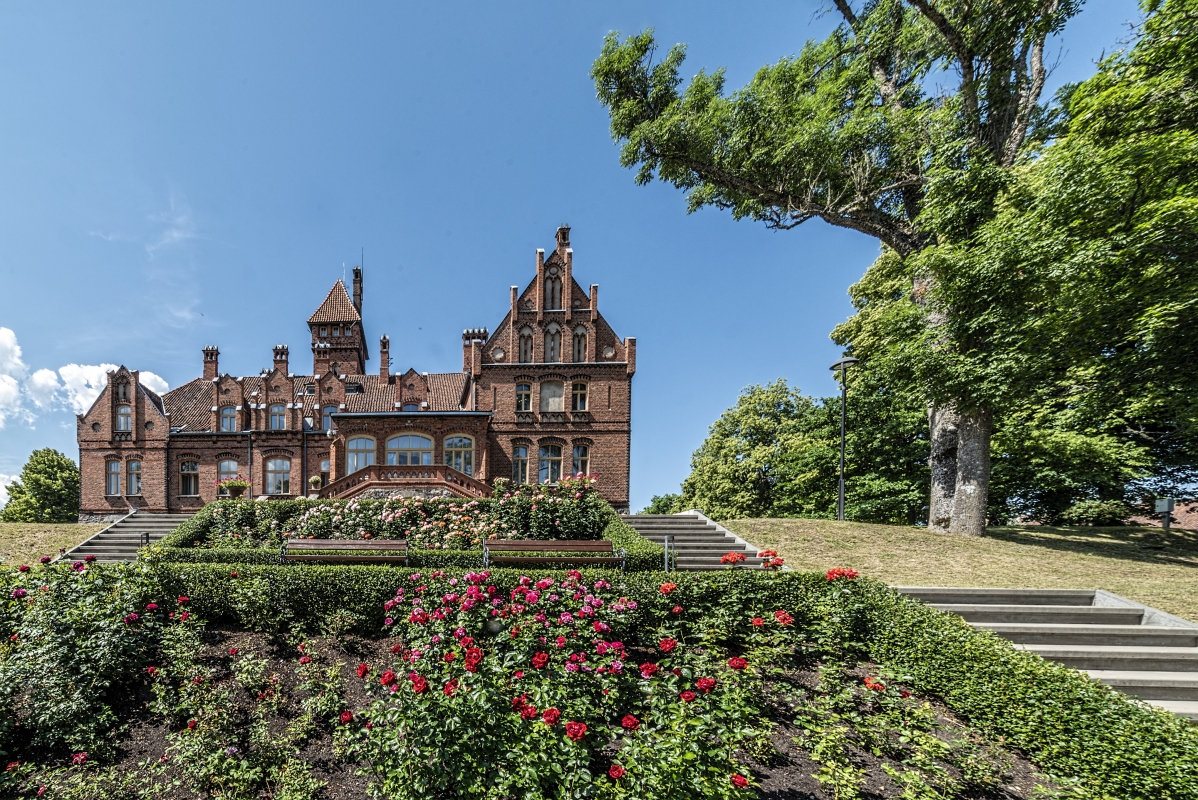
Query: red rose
191, 723
630, 722
551, 716
705, 685
576, 730
12, 765
185, 615
732, 558
739, 781
528, 712
387, 678
450, 656
783, 618
649, 669
666, 588
737, 663
687, 696
758, 622
667, 645
79, 759
184, 599
346, 717
419, 684
841, 572
22, 568
473, 656
232, 574
450, 687
676, 610
304, 659
466, 641
616, 772
152, 670
396, 649
904, 694
363, 669
232, 651
540, 660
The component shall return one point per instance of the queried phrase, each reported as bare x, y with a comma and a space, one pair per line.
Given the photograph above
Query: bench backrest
347, 544
528, 545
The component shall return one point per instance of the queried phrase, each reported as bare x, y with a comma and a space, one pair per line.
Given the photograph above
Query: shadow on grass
1176, 547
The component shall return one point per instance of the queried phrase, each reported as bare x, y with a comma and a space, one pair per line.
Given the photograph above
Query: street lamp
842, 365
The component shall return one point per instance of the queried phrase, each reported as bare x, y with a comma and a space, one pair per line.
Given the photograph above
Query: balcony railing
383, 477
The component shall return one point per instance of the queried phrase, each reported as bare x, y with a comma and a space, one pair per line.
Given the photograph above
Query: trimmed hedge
1096, 741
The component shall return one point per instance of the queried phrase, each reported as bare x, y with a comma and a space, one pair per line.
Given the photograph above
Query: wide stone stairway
1133, 648
119, 541
697, 542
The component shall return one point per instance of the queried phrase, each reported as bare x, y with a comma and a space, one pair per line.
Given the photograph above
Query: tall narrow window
526, 345
122, 392
519, 464
189, 478
359, 454
324, 473
582, 459
278, 476
551, 464
133, 478
551, 396
578, 397
336, 330
409, 450
459, 454
324, 332
124, 418
553, 344
553, 290
326, 417
278, 417
228, 418
225, 470
580, 345
112, 480
523, 397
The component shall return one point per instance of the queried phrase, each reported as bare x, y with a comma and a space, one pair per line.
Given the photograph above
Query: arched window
124, 418
409, 407
578, 397
189, 478
519, 464
526, 345
228, 418
225, 470
582, 459
553, 344
278, 417
551, 464
112, 478
326, 417
553, 290
551, 396
409, 450
580, 344
278, 476
133, 478
359, 454
459, 454
523, 397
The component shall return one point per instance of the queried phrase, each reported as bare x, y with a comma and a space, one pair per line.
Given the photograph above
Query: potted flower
314, 484
235, 486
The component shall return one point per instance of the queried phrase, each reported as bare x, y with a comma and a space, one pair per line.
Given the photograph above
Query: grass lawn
26, 542
1143, 564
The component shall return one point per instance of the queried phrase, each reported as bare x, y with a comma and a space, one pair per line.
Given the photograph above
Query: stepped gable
337, 307
189, 405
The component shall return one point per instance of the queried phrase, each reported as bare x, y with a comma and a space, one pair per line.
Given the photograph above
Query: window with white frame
519, 464
278, 476
124, 418
578, 397
459, 453
582, 459
228, 418
133, 478
409, 450
550, 467
523, 397
278, 417
326, 417
225, 470
189, 478
112, 478
359, 454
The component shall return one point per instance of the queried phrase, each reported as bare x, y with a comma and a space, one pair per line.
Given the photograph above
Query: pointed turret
337, 325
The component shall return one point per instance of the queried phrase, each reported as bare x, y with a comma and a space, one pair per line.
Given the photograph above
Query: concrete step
1182, 708
1149, 685
1145, 635
940, 595
712, 547
1136, 659
1045, 614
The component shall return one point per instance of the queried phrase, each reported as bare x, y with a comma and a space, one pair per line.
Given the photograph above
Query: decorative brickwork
549, 386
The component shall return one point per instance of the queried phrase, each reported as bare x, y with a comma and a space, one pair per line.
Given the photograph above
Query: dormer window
326, 417
353, 388
411, 407
124, 418
228, 419
278, 417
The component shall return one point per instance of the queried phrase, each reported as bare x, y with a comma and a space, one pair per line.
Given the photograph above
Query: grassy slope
1142, 564
26, 542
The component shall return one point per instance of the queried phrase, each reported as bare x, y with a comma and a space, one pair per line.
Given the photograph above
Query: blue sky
176, 175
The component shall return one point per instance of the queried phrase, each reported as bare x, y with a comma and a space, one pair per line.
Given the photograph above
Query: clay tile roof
337, 307
445, 390
190, 405
376, 395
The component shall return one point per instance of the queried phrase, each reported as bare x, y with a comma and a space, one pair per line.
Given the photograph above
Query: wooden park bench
358, 551
599, 551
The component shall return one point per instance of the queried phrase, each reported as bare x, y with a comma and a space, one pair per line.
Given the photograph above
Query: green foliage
776, 453
664, 504
1103, 513
47, 491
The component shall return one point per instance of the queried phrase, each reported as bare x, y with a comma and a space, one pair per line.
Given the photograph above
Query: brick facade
552, 377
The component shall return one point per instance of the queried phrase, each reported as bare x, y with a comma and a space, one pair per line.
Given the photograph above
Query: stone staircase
120, 540
1130, 647
697, 543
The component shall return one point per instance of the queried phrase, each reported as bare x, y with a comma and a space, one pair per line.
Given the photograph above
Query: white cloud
5, 480
152, 382
42, 387
10, 355
84, 382
10, 400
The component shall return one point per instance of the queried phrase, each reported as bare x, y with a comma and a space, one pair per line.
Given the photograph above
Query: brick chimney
321, 353
358, 289
211, 362
281, 358
384, 358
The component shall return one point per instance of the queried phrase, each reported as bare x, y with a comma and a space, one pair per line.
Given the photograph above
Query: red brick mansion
548, 393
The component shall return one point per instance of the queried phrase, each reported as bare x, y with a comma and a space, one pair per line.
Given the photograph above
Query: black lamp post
842, 365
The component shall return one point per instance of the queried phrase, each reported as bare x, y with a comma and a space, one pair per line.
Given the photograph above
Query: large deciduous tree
47, 491
850, 131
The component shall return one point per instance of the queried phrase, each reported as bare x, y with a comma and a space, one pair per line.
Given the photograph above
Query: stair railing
667, 546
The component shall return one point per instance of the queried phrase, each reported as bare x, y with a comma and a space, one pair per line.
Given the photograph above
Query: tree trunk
973, 473
942, 422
